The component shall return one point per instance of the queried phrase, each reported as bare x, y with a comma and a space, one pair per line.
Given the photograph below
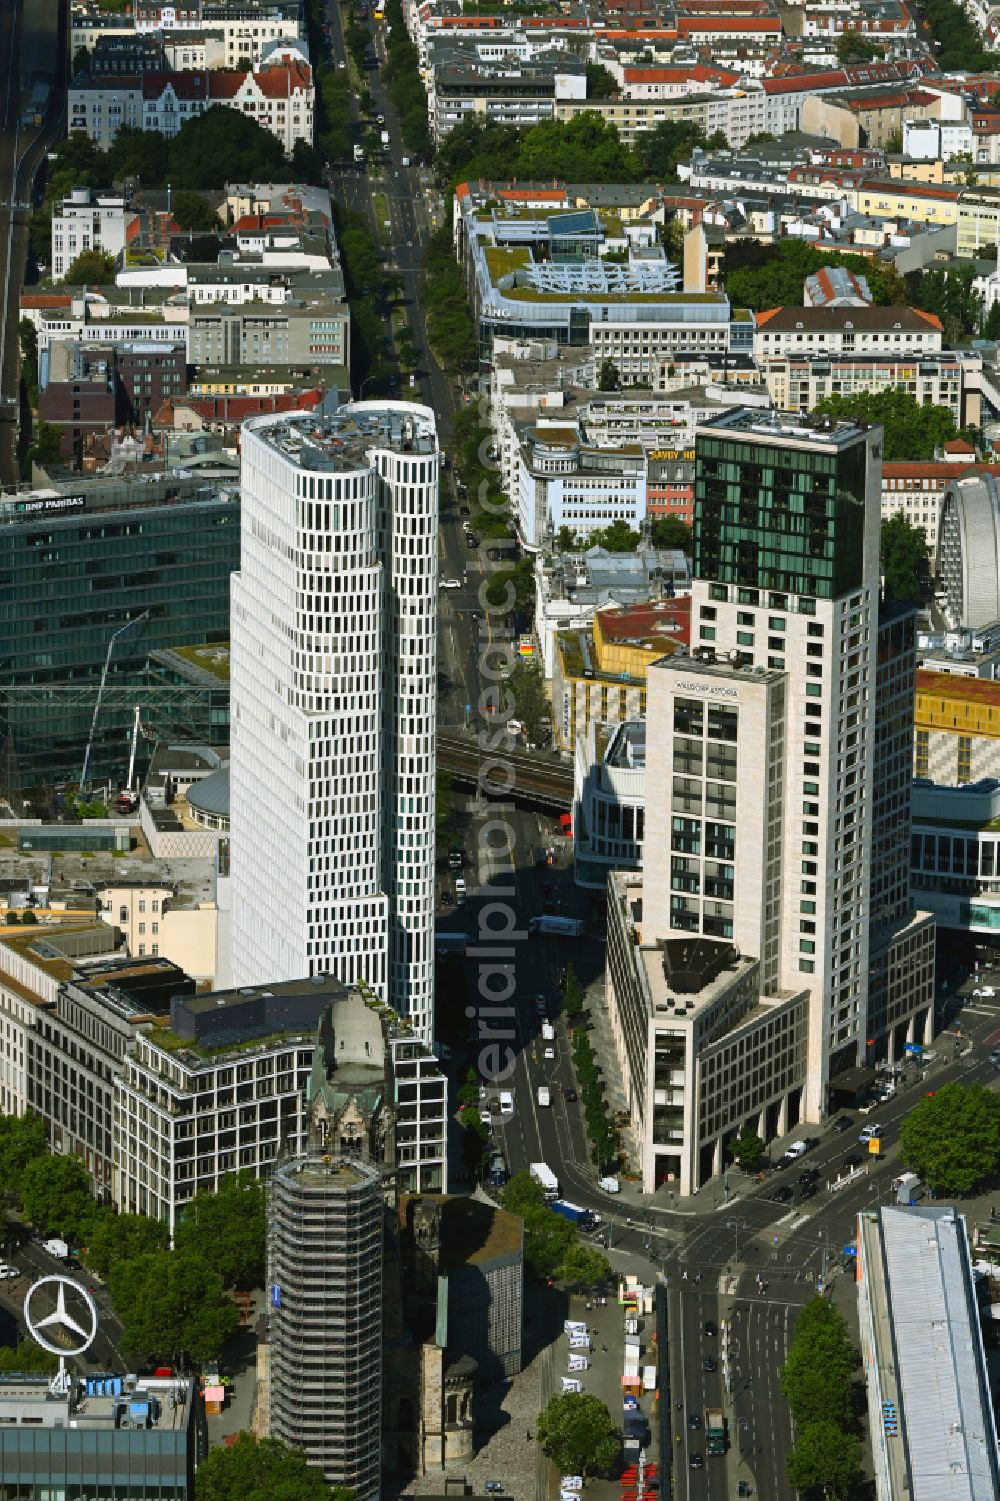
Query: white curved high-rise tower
333, 692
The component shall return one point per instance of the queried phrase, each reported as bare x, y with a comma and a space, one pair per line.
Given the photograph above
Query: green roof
212, 657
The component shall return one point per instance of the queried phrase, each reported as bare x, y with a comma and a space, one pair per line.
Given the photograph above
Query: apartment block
88, 220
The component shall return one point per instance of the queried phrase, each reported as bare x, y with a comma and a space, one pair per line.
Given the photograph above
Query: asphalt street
32, 41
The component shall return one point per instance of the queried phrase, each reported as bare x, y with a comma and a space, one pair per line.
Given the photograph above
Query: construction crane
136, 620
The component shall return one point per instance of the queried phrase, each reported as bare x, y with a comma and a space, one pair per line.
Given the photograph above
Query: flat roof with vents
932, 1423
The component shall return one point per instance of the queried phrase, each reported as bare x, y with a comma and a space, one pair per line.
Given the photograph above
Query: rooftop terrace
342, 442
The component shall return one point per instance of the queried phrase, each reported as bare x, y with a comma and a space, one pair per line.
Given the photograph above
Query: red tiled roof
191, 84
943, 469
959, 445
910, 189
45, 299
697, 72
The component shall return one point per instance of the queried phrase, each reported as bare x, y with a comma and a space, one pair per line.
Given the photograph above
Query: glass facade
68, 582
775, 517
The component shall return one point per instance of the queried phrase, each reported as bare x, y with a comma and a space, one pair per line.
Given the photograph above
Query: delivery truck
557, 927
715, 1431
546, 1178
572, 1212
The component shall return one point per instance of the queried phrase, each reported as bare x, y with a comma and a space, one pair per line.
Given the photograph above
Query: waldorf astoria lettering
719, 690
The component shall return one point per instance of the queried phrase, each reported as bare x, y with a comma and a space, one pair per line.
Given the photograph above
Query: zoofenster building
333, 683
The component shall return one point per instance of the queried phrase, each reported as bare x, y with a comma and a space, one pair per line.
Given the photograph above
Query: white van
460, 888
506, 1103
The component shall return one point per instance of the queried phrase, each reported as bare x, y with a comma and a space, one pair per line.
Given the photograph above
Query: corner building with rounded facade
333, 692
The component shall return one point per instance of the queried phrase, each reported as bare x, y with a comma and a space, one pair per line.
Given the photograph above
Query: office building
575, 275
76, 1053
107, 1436
765, 738
968, 551
902, 940
325, 1232
931, 1418
786, 578
957, 728
609, 801
333, 683
80, 564
599, 671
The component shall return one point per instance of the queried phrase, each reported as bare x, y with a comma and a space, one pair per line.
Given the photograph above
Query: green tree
468, 1093
473, 1140
140, 154
263, 1469
23, 1140
609, 378
903, 559
585, 1268
228, 1228
572, 994
600, 83
221, 146
172, 1307
578, 1434
821, 1361
81, 61
525, 687
825, 1455
93, 267
670, 531
522, 1194
852, 47
747, 1149
952, 1139
193, 213
56, 1195
618, 537
122, 1237
660, 150
991, 323
948, 293
28, 1358
912, 431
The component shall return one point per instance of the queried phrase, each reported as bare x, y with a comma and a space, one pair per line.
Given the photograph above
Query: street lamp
367, 381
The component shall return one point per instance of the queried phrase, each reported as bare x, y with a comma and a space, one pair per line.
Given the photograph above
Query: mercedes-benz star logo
61, 1317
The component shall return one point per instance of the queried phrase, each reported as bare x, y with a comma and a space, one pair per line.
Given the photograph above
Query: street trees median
172, 1307
817, 1379
952, 1139
121, 1237
228, 1228
263, 1469
56, 1196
